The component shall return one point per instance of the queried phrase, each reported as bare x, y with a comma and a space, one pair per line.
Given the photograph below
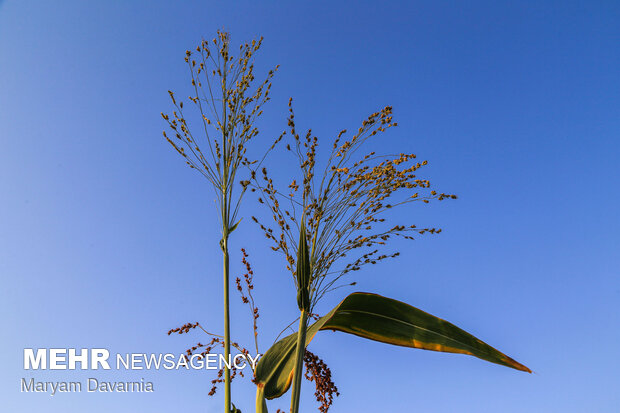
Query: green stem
226, 224
299, 361
227, 398
261, 404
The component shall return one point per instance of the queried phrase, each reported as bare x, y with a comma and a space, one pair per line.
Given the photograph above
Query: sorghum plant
338, 213
227, 101
343, 209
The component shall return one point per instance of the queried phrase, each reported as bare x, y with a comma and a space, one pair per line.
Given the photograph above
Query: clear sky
109, 240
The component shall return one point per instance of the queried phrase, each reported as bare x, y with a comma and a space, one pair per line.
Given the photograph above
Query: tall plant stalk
227, 392
303, 272
228, 104
224, 244
344, 207
299, 360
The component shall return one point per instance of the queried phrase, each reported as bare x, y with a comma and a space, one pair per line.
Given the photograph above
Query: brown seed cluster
220, 373
318, 372
185, 328
219, 378
227, 102
246, 293
344, 204
203, 349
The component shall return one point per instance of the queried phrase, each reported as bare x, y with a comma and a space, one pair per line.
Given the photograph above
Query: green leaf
234, 227
303, 271
381, 319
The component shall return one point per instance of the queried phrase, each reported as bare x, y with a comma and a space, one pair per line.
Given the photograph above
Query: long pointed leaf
381, 319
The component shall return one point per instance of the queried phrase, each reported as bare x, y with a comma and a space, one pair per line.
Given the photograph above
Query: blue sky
108, 240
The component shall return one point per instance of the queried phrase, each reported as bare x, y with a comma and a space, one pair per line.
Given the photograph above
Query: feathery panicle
228, 101
344, 204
